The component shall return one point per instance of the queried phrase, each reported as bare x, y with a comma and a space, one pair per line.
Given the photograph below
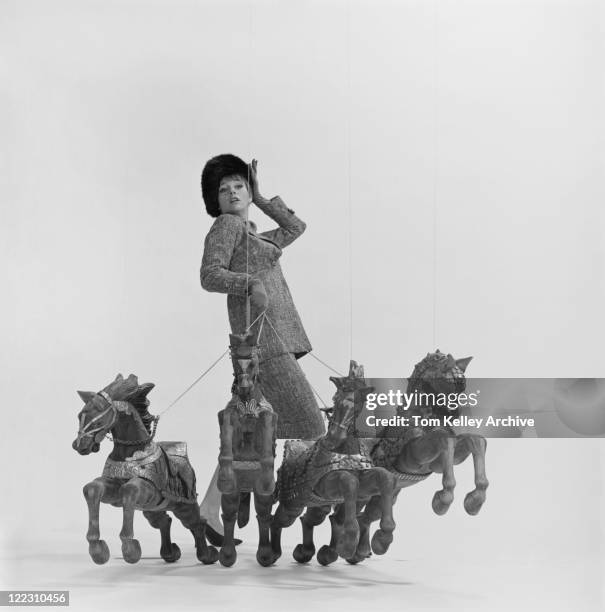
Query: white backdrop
448, 160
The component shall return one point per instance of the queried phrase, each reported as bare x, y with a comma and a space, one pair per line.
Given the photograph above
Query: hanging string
197, 380
288, 350
349, 97
251, 72
247, 276
327, 366
318, 396
255, 320
260, 330
436, 165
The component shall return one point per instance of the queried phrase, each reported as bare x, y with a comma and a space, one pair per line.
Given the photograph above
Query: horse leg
372, 512
226, 476
284, 517
135, 493
477, 445
229, 505
263, 505
315, 515
349, 488
94, 492
443, 499
265, 483
383, 537
327, 553
160, 520
189, 515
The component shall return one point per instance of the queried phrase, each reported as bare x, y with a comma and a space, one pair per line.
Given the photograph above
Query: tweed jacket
224, 271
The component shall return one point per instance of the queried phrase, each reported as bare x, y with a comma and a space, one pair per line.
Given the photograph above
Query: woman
241, 263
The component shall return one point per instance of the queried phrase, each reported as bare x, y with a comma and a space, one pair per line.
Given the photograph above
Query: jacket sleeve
218, 251
290, 226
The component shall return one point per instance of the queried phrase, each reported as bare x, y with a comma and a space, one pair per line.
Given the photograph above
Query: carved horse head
103, 411
349, 399
245, 357
439, 374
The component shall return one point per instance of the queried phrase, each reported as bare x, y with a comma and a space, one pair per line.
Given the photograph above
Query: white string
260, 330
436, 166
197, 380
319, 396
327, 366
251, 72
255, 320
247, 276
288, 350
348, 73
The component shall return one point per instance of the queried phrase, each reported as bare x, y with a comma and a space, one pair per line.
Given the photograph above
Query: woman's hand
256, 196
258, 294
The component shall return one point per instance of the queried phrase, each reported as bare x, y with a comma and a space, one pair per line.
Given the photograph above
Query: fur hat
214, 171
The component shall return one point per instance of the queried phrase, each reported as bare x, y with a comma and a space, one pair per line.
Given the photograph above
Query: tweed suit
226, 249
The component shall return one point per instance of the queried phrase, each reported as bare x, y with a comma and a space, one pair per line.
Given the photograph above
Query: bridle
114, 408
85, 430
348, 418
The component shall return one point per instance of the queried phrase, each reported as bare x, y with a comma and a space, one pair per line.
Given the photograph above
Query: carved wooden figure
139, 474
412, 454
246, 462
334, 470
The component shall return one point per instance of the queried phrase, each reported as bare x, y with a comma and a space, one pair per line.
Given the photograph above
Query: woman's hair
215, 170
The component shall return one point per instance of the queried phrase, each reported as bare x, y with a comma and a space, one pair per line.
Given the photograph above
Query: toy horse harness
115, 407
308, 463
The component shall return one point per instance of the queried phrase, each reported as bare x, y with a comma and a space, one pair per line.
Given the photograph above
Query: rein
84, 430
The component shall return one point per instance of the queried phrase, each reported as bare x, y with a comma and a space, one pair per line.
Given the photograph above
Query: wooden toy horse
139, 474
248, 430
412, 454
334, 470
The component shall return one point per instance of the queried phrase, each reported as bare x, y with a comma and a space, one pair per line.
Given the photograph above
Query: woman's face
233, 196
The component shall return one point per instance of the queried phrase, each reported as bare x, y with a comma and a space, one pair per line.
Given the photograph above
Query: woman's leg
287, 389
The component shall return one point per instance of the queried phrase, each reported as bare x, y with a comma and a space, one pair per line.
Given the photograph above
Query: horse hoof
326, 555
356, 558
275, 556
173, 555
303, 554
363, 550
381, 541
265, 556
347, 546
227, 557
473, 502
208, 556
131, 551
442, 500
99, 551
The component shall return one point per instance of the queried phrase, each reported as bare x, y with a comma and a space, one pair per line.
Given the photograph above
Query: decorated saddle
305, 463
164, 464
385, 452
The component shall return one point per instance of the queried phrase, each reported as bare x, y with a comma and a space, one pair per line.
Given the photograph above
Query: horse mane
139, 400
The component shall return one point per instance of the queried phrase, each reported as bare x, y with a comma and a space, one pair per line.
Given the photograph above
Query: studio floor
452, 576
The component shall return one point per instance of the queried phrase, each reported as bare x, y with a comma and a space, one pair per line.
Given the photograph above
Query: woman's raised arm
290, 226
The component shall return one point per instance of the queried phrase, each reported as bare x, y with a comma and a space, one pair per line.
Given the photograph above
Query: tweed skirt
287, 389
